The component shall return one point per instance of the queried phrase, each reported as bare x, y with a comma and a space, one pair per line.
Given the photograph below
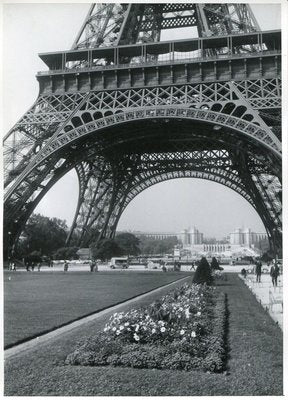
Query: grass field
254, 365
38, 302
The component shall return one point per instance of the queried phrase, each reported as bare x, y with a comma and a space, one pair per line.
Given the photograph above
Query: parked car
119, 263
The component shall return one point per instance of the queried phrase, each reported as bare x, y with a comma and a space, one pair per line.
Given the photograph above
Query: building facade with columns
191, 236
155, 235
245, 236
241, 241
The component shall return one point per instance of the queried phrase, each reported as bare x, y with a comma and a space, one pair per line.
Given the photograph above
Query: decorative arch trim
242, 126
248, 129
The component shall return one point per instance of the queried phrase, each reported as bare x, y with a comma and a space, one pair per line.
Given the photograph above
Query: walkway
271, 298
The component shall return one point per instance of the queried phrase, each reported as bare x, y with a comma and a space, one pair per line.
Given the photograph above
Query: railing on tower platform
212, 48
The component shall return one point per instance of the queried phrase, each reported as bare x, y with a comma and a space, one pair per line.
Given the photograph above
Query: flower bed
183, 330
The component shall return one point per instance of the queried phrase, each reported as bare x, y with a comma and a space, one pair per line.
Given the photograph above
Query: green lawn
254, 365
38, 302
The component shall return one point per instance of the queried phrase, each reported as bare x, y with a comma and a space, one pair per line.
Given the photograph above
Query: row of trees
129, 245
44, 236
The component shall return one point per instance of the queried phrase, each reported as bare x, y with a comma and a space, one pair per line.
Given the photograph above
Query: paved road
270, 297
103, 267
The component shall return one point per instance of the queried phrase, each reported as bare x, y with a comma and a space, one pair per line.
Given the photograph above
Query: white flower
193, 334
117, 332
114, 329
198, 313
121, 328
126, 324
137, 328
153, 330
163, 329
182, 332
136, 337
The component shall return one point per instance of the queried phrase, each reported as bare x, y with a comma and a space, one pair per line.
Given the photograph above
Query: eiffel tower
127, 109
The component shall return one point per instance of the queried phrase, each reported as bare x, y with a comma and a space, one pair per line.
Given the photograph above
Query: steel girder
137, 172
95, 192
34, 130
261, 134
42, 167
50, 113
114, 24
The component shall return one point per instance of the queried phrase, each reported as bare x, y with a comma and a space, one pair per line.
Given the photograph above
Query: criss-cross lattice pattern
110, 24
140, 171
34, 129
101, 26
42, 120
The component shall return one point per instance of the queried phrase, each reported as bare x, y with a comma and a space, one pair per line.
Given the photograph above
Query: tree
214, 264
157, 246
105, 249
129, 243
34, 257
90, 236
43, 234
69, 253
267, 256
262, 245
203, 273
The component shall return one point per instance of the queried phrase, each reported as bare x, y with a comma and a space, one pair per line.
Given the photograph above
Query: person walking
244, 273
92, 265
274, 273
258, 270
66, 266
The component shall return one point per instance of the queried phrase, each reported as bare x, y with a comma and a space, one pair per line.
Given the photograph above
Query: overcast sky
29, 29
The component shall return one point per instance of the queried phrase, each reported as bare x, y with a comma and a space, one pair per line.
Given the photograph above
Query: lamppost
8, 247
274, 245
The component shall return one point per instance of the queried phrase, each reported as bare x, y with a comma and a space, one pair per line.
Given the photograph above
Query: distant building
84, 254
244, 236
155, 235
240, 243
191, 236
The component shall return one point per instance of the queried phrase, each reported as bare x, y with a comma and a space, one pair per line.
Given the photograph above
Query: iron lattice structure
128, 110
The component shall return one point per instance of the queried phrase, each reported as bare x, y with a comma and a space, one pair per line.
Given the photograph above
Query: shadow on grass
227, 348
